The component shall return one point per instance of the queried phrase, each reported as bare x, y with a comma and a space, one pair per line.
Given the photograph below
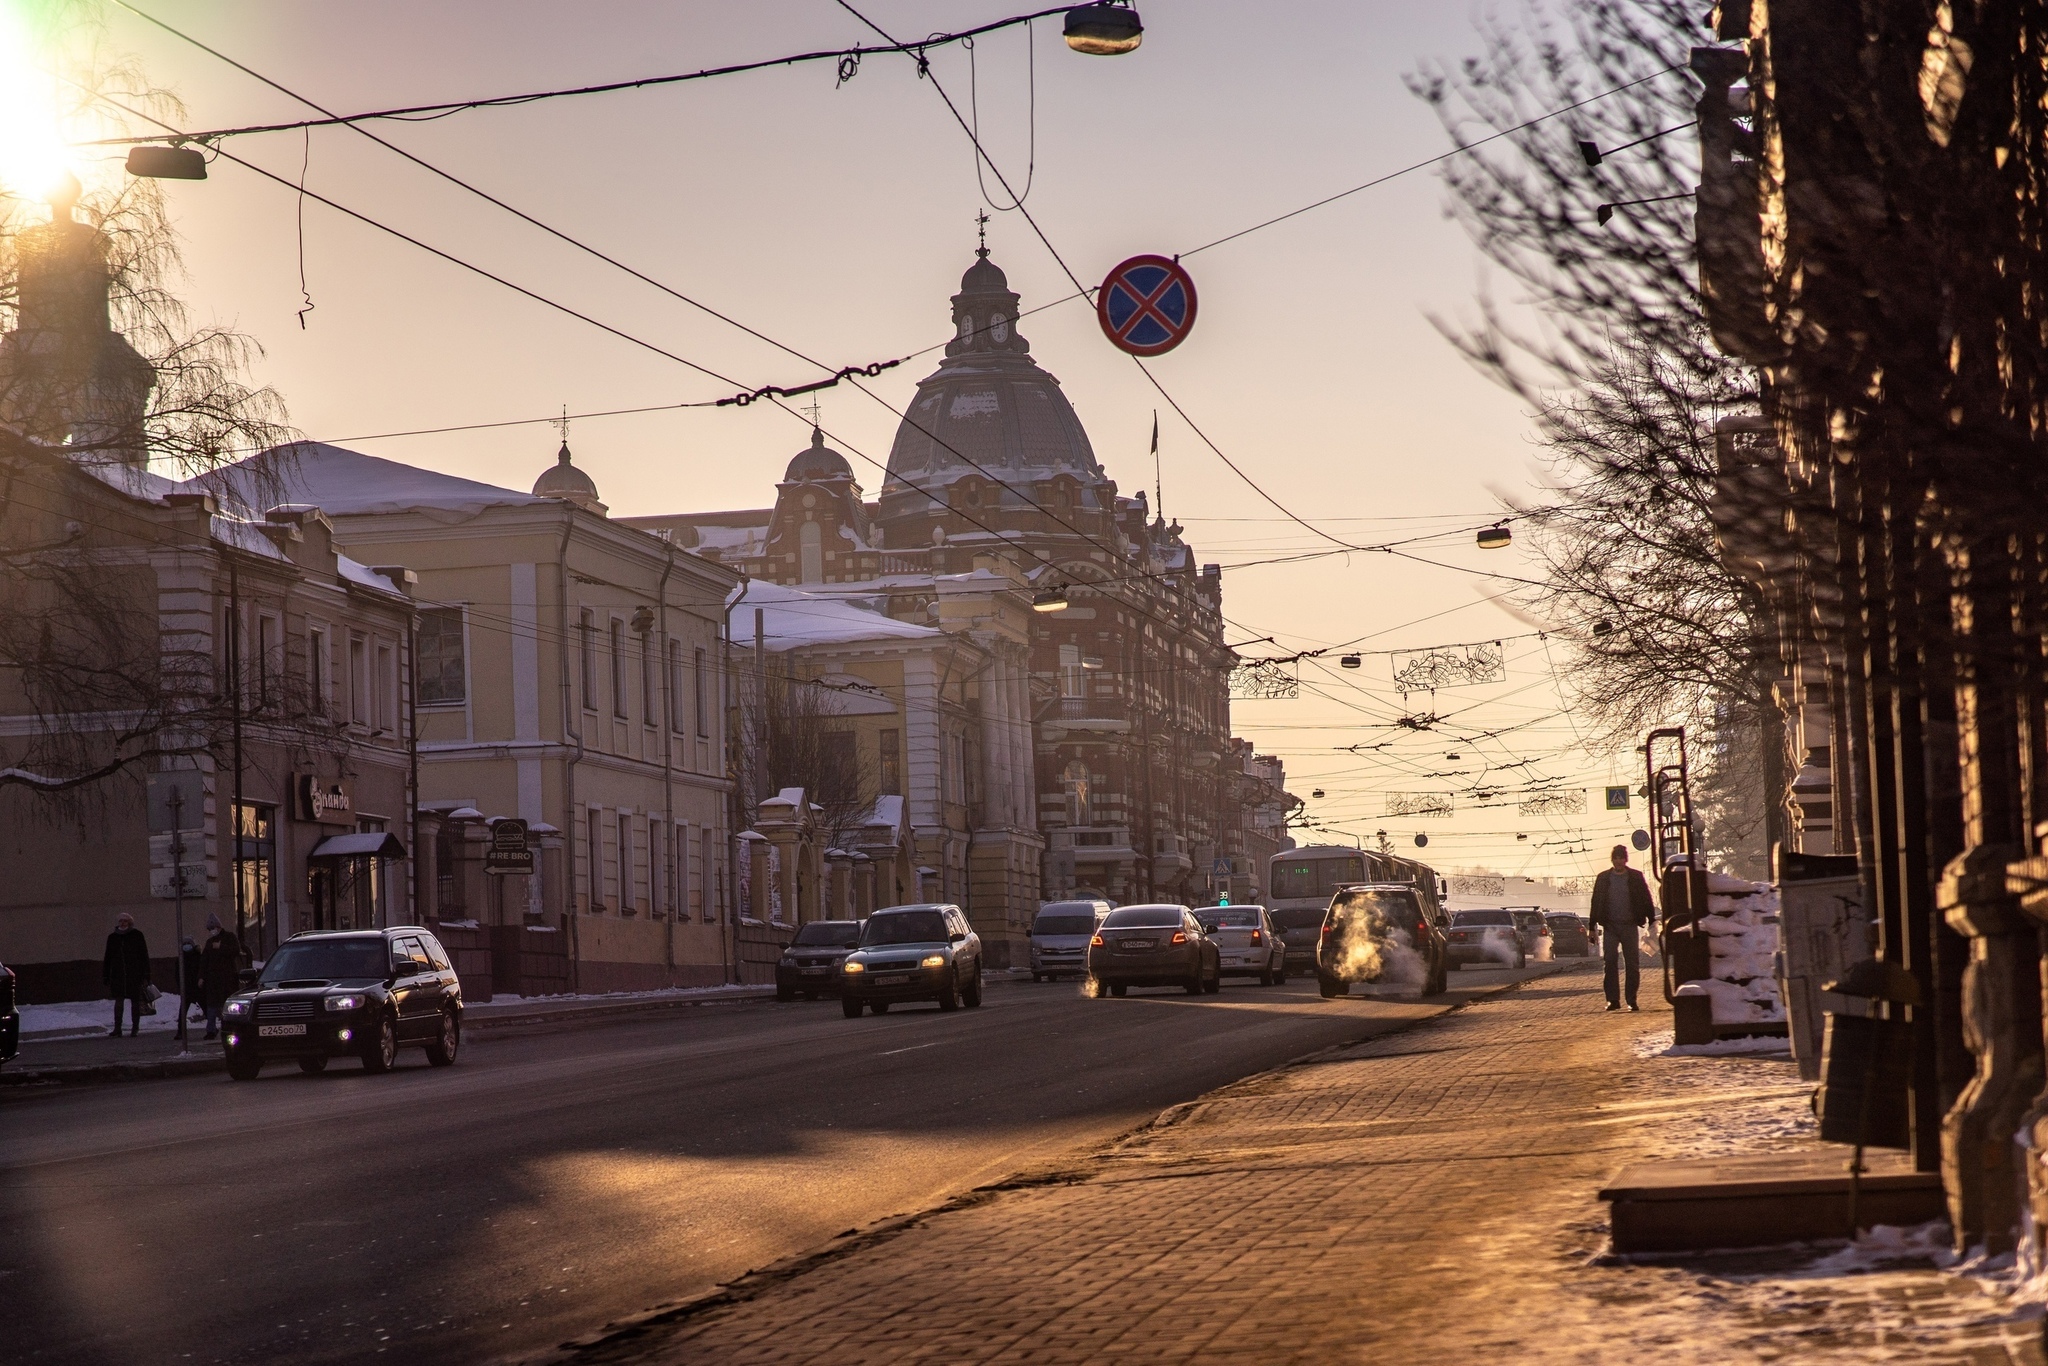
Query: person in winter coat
220, 971
1621, 907
125, 970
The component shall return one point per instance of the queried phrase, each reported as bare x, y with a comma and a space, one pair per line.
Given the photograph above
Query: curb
617, 1341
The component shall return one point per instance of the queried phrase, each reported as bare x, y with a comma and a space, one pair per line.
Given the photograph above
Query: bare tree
798, 735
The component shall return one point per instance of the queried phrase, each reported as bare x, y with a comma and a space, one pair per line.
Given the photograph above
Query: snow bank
68, 1018
1742, 925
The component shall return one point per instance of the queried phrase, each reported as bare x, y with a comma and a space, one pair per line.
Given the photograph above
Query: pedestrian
125, 970
1621, 907
220, 971
188, 979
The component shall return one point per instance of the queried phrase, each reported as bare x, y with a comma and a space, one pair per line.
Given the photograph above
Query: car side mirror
955, 937
246, 977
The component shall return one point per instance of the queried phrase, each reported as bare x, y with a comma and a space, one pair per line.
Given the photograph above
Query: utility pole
177, 801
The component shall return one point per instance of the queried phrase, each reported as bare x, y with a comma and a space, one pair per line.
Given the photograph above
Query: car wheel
1330, 987
851, 1006
447, 1043
949, 993
880, 1007
783, 993
1119, 988
380, 1054
1215, 983
243, 1069
1266, 978
971, 995
312, 1066
1521, 961
1194, 986
1280, 974
1038, 977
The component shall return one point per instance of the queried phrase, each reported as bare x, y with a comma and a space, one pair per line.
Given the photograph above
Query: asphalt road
550, 1183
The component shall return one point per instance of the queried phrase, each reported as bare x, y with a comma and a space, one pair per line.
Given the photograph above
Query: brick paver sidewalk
1423, 1197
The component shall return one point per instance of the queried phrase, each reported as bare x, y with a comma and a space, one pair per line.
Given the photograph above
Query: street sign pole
177, 799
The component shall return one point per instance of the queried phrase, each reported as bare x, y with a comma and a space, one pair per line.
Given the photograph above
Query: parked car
810, 962
912, 953
1247, 942
10, 1016
1485, 937
1059, 937
1531, 929
1155, 945
1300, 928
1364, 935
347, 993
1568, 936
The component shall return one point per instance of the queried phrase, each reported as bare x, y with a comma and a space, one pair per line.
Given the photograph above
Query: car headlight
343, 1002
236, 1008
933, 960
852, 966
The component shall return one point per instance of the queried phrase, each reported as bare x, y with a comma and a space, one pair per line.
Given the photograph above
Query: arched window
811, 545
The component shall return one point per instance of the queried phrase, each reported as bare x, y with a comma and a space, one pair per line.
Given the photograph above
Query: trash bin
1865, 1094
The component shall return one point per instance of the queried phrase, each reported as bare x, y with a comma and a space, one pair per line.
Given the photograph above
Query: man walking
220, 971
1621, 907
125, 970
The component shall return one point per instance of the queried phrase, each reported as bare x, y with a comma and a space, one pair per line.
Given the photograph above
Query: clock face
966, 327
999, 328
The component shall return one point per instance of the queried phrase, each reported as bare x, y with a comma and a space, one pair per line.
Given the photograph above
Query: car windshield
1563, 922
1298, 918
1229, 918
1393, 907
836, 934
1475, 919
905, 927
327, 959
1063, 922
1316, 877
1143, 917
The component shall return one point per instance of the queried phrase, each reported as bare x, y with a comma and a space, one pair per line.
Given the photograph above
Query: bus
1300, 882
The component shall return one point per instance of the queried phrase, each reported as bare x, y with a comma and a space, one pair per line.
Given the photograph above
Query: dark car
912, 953
10, 1016
1532, 930
1247, 942
810, 962
1380, 934
1568, 937
1153, 946
1485, 937
346, 994
1300, 927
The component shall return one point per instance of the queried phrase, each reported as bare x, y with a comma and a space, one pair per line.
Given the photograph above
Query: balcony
1098, 715
1094, 843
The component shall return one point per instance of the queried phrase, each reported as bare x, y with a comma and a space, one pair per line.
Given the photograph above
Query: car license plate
279, 1031
890, 979
810, 972
1134, 943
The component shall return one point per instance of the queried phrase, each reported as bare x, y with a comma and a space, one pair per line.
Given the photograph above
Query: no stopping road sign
1146, 305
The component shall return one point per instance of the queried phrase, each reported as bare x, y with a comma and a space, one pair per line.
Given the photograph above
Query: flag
1155, 431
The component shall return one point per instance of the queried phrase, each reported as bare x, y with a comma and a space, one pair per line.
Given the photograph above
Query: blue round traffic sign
1146, 305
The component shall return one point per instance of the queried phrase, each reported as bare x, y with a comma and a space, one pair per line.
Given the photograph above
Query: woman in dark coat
220, 971
125, 970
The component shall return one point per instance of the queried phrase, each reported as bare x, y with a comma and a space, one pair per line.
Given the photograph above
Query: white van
1060, 935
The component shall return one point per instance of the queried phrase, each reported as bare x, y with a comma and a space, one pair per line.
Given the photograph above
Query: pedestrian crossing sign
1617, 799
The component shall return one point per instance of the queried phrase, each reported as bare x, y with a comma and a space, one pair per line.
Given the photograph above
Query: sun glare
33, 155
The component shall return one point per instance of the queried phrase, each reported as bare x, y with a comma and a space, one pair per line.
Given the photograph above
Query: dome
564, 481
817, 462
984, 276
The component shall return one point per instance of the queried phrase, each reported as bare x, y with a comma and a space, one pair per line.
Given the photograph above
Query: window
650, 686
359, 680
1315, 877
1073, 674
596, 861
444, 675
705, 874
269, 659
811, 546
317, 665
618, 668
1080, 810
702, 727
387, 689
586, 645
675, 686
890, 768
657, 867
628, 881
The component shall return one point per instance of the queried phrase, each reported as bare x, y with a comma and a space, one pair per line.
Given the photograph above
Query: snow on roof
792, 618
364, 575
888, 812
342, 482
136, 483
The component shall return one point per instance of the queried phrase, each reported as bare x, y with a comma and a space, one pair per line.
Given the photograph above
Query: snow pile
1742, 922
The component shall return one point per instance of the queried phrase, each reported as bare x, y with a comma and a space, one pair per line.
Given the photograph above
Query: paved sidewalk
1422, 1197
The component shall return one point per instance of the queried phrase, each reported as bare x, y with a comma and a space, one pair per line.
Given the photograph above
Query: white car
1248, 942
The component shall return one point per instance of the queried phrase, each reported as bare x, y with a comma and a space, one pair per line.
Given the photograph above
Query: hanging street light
1109, 29
1603, 628
1351, 661
1495, 537
1318, 792
166, 163
1049, 600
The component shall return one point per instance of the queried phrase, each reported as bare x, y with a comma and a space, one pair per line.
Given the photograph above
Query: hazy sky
838, 219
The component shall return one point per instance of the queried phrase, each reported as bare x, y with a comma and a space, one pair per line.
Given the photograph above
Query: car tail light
1327, 929
1180, 936
1258, 938
1096, 941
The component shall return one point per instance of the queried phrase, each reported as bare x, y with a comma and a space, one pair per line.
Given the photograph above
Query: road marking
912, 1049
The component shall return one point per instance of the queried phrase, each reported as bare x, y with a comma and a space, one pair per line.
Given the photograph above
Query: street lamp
1049, 600
1351, 661
1109, 29
1495, 537
166, 163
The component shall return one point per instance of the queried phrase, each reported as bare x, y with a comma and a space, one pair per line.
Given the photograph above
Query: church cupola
985, 312
564, 481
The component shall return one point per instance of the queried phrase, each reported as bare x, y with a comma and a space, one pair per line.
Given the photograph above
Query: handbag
147, 1001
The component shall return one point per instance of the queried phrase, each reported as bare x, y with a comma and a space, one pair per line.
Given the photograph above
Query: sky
836, 217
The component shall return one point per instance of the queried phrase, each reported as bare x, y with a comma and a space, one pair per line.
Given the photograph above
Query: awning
367, 844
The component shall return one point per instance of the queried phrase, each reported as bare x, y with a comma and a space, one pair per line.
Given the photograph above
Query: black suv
349, 993
1381, 933
912, 953
810, 962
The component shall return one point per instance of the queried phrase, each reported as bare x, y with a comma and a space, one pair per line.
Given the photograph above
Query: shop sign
330, 801
509, 851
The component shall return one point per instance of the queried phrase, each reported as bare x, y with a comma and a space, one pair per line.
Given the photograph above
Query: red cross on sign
1146, 305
